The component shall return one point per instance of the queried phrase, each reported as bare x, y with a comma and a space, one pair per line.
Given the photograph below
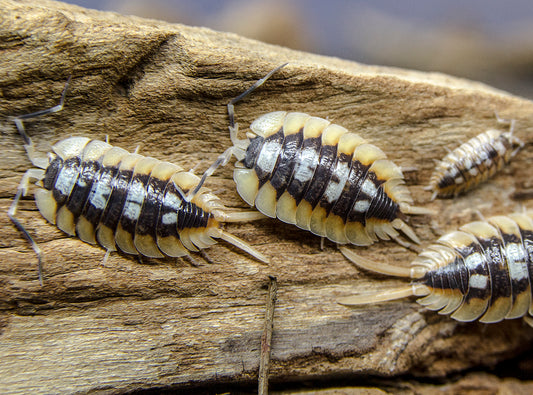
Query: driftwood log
124, 325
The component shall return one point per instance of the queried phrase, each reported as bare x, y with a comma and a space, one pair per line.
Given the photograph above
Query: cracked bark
126, 325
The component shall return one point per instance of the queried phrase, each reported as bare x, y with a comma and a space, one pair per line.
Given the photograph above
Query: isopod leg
206, 256
106, 256
37, 174
510, 122
528, 320
239, 216
415, 210
256, 85
233, 126
222, 160
191, 260
28, 146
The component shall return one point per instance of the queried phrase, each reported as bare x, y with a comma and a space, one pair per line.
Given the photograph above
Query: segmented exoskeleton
140, 205
483, 271
319, 176
474, 162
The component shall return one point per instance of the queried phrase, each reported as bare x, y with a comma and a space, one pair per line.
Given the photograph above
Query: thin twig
266, 338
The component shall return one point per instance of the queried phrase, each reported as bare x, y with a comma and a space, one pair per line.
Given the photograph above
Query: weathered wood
127, 325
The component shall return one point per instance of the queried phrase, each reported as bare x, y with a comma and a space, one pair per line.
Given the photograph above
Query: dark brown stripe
93, 209
447, 180
137, 185
480, 269
346, 201
52, 171
146, 224
324, 170
90, 170
361, 217
70, 170
343, 161
192, 216
499, 274
453, 275
116, 201
527, 242
518, 286
382, 206
282, 173
252, 152
170, 206
297, 188
263, 175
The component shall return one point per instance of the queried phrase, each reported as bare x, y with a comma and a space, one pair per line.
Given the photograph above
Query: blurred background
484, 40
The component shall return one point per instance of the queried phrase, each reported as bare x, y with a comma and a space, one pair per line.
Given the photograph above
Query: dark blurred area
484, 40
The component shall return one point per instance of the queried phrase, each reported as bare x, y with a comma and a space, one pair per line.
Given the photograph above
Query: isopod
483, 271
137, 204
474, 162
307, 171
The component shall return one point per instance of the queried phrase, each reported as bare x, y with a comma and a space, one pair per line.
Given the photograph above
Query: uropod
483, 271
137, 204
307, 171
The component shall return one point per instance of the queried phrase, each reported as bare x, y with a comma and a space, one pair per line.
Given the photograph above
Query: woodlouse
317, 175
483, 271
474, 162
139, 204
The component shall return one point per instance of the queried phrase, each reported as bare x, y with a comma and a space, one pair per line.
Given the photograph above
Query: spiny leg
37, 174
510, 122
257, 84
193, 262
222, 160
239, 145
238, 216
206, 256
28, 146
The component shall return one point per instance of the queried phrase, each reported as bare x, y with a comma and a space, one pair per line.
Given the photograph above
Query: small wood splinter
266, 338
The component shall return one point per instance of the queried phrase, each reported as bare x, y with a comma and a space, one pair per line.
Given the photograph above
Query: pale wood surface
127, 325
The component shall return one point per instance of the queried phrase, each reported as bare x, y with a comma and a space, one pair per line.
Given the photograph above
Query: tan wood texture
124, 324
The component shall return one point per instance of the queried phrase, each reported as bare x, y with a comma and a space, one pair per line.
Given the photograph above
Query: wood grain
125, 325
